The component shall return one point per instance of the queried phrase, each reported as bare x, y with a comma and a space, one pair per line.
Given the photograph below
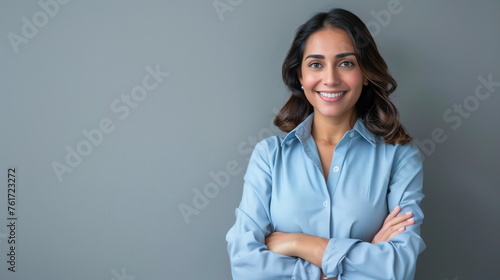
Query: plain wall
70, 69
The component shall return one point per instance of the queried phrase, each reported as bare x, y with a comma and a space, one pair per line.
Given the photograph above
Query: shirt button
336, 169
325, 203
352, 134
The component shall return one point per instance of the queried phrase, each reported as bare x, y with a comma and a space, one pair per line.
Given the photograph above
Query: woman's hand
282, 243
307, 247
394, 225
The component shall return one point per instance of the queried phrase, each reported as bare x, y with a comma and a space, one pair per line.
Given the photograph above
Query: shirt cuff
335, 252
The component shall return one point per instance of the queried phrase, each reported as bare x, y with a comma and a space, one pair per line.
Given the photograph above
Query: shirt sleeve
248, 253
394, 259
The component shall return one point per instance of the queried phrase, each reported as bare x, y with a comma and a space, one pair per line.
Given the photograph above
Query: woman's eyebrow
320, 56
340, 55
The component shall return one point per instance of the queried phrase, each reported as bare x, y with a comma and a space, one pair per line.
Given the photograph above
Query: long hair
374, 107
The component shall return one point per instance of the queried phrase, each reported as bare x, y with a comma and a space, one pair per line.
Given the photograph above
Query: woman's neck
331, 130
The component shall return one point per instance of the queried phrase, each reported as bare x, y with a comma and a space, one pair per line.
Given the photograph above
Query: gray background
116, 215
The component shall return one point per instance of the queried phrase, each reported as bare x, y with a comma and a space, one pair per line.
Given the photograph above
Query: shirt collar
303, 131
369, 136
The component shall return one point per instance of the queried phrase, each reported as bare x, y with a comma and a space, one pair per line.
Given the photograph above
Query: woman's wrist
310, 248
297, 244
307, 247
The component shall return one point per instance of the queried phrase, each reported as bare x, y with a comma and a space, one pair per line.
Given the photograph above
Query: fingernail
411, 220
402, 229
408, 213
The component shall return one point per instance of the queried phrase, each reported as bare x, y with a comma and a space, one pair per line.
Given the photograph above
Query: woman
316, 203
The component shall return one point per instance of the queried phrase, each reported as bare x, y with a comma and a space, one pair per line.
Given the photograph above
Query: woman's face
330, 73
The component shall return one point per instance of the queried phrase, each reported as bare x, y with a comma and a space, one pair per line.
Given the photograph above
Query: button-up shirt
285, 190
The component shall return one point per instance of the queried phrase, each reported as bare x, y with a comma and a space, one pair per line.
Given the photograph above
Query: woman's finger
393, 213
400, 227
394, 224
398, 219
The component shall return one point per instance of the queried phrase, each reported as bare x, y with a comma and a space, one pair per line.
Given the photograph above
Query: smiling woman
317, 203
330, 76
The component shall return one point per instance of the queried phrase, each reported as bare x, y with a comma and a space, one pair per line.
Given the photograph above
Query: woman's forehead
329, 42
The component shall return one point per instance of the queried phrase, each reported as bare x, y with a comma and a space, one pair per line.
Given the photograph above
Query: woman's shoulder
265, 151
379, 142
270, 144
403, 149
403, 154
398, 152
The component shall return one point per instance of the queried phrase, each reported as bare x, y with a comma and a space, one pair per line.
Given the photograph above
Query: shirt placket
336, 168
311, 151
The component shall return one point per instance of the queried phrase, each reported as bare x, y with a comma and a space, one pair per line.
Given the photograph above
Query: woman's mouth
331, 94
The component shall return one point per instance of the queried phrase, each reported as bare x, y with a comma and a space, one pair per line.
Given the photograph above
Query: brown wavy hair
374, 107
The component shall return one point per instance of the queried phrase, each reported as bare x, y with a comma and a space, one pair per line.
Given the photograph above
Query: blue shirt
285, 190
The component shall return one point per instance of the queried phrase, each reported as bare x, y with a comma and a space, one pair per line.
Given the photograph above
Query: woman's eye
315, 65
346, 64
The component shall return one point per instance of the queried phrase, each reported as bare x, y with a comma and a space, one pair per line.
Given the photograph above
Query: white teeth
331, 95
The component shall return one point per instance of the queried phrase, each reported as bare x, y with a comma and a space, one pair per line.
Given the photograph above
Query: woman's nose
330, 77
